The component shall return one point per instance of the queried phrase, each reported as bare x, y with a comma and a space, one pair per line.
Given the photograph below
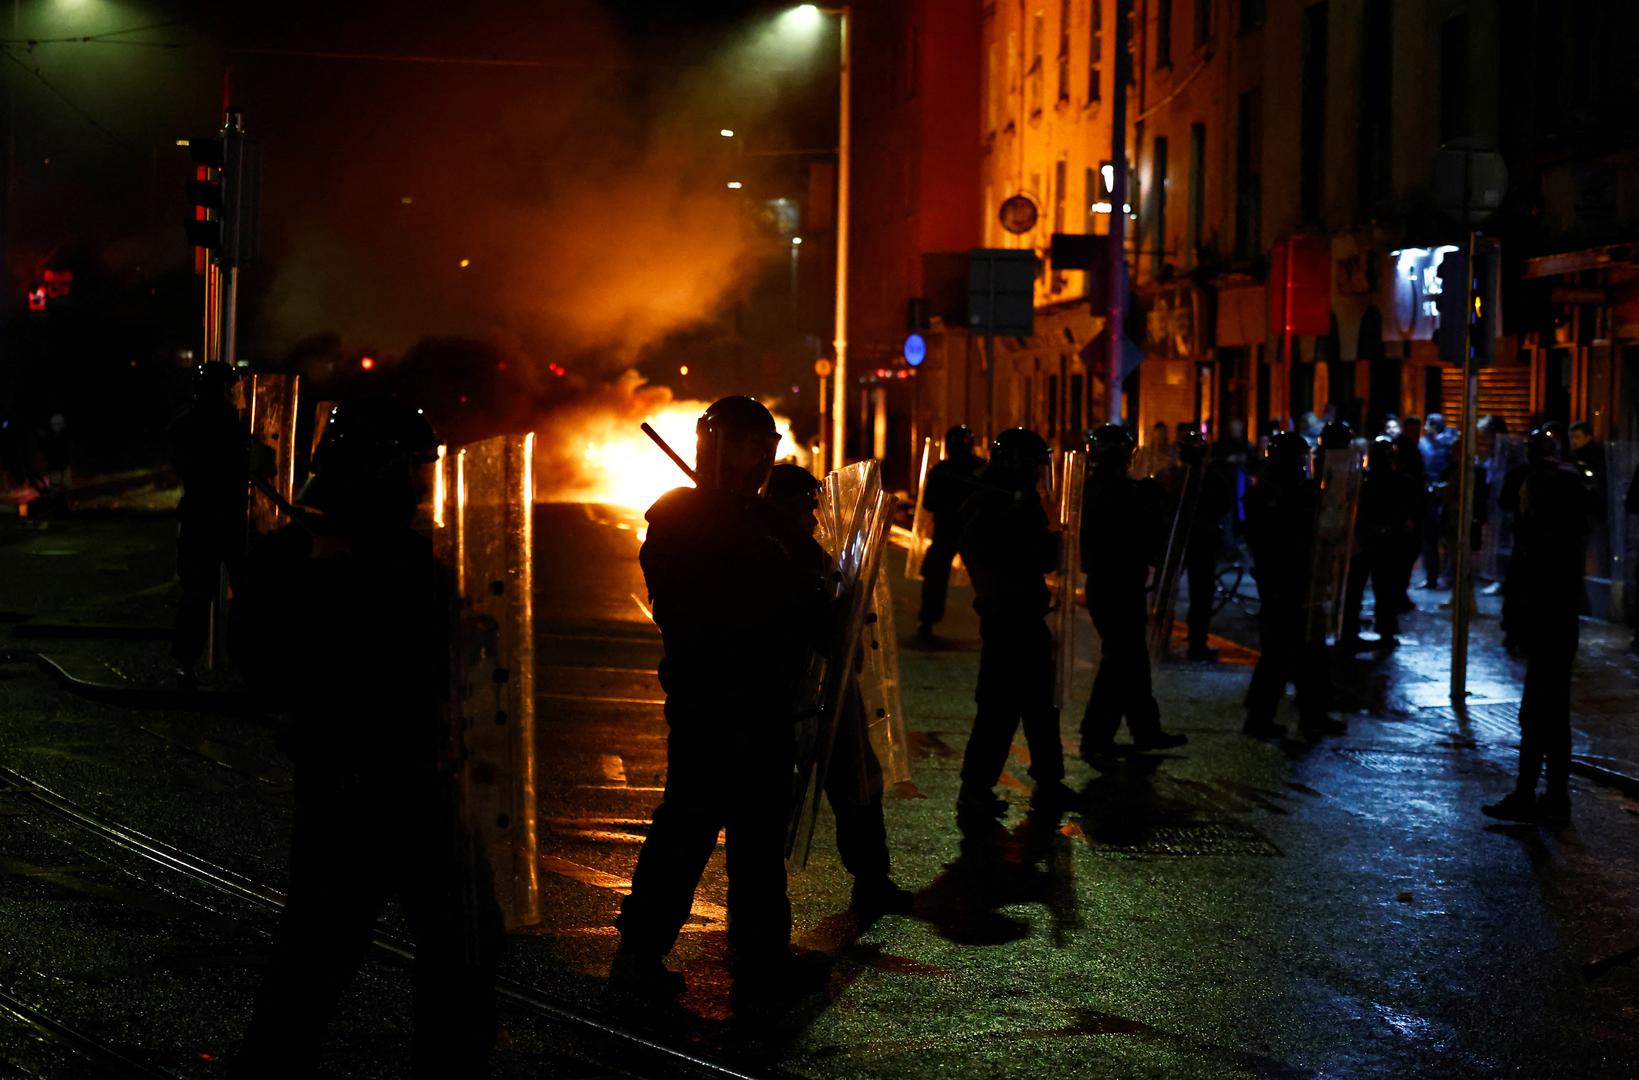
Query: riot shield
1185, 495
271, 403
1071, 489
1339, 474
1497, 541
921, 518
879, 685
855, 516
485, 530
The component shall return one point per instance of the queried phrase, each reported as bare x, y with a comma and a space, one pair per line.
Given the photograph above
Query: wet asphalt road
1231, 908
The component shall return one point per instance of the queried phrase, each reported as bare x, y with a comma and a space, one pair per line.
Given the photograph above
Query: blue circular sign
916, 350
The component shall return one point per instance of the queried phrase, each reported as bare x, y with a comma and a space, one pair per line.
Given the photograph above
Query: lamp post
839, 341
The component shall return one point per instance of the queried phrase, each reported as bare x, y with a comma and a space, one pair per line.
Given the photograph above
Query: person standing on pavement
1435, 450
949, 484
209, 453
343, 619
1550, 536
1280, 529
1009, 545
1206, 535
1388, 523
739, 613
1121, 539
853, 780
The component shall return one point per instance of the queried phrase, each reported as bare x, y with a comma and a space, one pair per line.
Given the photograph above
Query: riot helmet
1384, 454
735, 439
793, 490
1336, 435
1192, 447
1018, 457
959, 441
370, 465
1288, 455
1111, 445
213, 380
1542, 445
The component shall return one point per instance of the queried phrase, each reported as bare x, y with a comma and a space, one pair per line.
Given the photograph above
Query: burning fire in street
594, 452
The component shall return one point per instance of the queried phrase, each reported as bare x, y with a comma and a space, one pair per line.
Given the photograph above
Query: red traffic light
367, 362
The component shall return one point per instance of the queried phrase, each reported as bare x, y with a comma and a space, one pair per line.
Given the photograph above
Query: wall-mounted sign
1018, 214
1417, 285
916, 350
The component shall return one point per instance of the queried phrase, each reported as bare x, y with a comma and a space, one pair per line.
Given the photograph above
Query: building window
1454, 78
1251, 15
1059, 188
1312, 132
1197, 192
1163, 33
1095, 52
1248, 167
1203, 21
1157, 230
1064, 50
1376, 71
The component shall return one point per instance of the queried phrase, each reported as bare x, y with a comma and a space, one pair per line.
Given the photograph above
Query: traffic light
1451, 304
224, 193
1470, 301
1485, 323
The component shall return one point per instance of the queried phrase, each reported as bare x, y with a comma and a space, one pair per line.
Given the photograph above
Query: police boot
641, 978
876, 897
1158, 740
1515, 806
1263, 728
765, 986
977, 809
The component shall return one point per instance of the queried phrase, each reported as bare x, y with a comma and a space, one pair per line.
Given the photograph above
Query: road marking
573, 821
648, 612
600, 879
615, 787
600, 670
600, 836
601, 700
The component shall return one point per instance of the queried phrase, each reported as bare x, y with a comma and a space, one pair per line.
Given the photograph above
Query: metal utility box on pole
1469, 184
1001, 300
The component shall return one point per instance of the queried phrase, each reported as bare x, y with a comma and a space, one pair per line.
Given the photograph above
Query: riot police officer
1545, 585
1008, 546
853, 781
208, 451
739, 614
949, 484
1280, 528
1205, 538
1387, 524
343, 618
1120, 541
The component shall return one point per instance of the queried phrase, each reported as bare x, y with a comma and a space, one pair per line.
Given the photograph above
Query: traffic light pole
1113, 330
1462, 565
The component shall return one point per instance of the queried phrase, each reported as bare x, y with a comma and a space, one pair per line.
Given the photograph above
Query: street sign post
1001, 299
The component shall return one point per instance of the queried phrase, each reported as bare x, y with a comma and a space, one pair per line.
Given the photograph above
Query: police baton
678, 461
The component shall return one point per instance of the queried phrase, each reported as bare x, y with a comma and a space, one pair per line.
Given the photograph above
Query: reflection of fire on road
594, 451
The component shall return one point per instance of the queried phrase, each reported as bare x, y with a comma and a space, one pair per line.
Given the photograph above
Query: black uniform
1008, 547
208, 451
1121, 537
1548, 592
738, 612
1385, 530
1206, 534
950, 482
1280, 528
355, 641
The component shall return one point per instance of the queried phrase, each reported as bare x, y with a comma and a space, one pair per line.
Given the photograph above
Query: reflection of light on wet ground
714, 914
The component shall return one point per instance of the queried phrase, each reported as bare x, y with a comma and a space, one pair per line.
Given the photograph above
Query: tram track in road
99, 1057
622, 1051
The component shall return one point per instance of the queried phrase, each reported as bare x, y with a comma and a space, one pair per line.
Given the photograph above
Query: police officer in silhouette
1545, 583
1216, 499
1009, 546
1121, 539
343, 619
949, 484
853, 781
1280, 528
739, 608
1388, 522
208, 451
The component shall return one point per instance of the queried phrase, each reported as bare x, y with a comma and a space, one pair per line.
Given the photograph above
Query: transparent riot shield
879, 685
856, 516
1497, 541
482, 524
1339, 474
1621, 461
1071, 489
270, 409
1185, 495
922, 518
